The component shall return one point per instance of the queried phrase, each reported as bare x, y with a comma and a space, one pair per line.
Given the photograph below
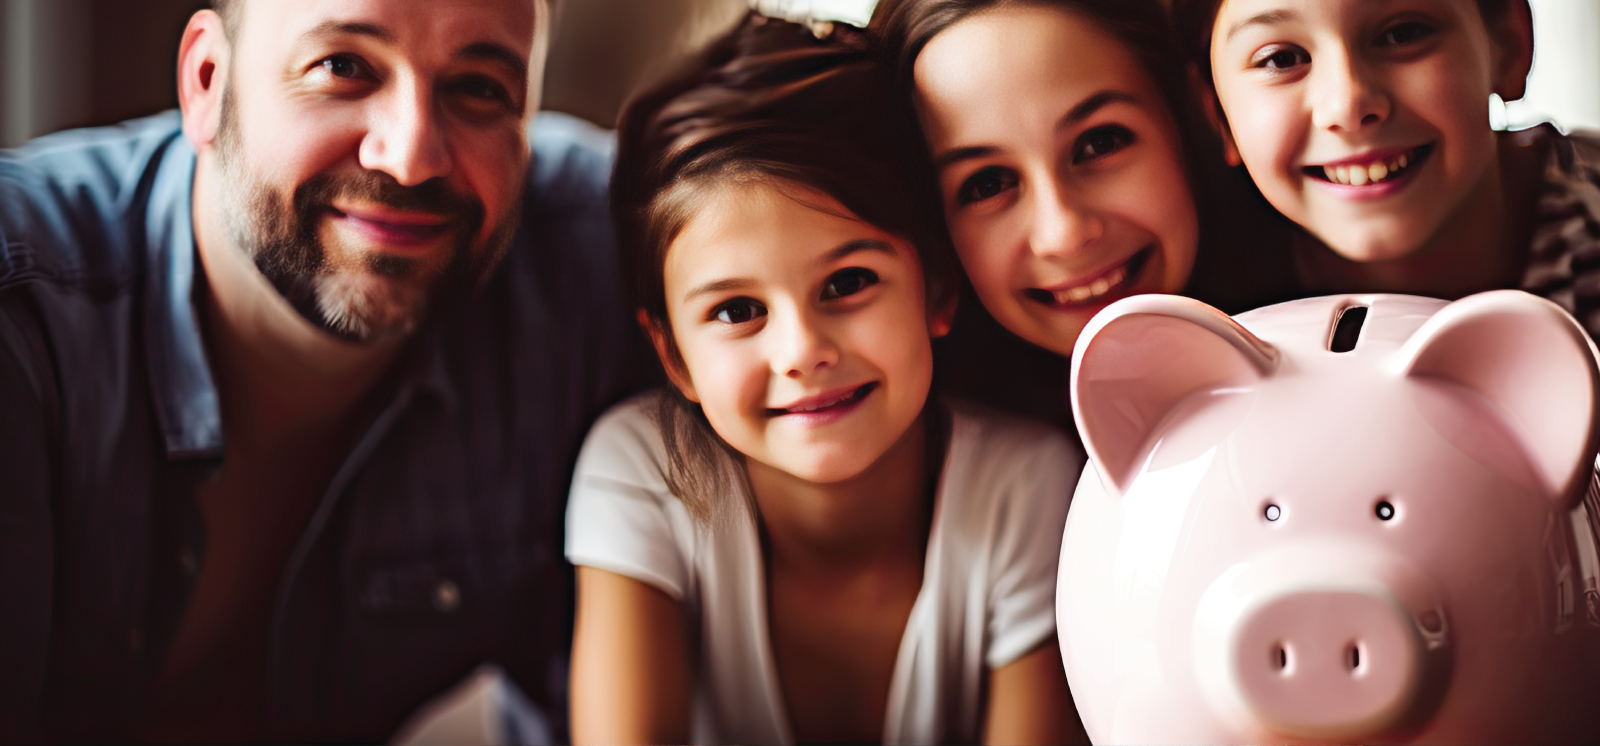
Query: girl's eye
986, 183
1404, 33
1101, 141
848, 282
738, 311
1280, 58
345, 66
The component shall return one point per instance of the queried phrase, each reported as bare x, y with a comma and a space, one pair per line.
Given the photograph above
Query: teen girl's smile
1063, 192
1365, 121
803, 332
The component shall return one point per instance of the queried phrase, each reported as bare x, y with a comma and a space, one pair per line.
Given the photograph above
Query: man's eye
848, 282
1101, 141
1404, 33
344, 66
986, 183
1280, 58
483, 88
738, 311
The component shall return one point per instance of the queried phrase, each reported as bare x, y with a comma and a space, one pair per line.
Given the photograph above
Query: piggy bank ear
1142, 356
1535, 367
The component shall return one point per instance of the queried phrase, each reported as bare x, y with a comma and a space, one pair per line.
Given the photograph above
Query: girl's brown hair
777, 104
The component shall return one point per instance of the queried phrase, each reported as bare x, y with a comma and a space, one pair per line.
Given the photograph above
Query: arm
1029, 701
630, 666
26, 532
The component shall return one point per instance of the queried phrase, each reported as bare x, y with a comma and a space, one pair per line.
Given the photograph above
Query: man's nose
1063, 225
405, 138
1346, 96
802, 344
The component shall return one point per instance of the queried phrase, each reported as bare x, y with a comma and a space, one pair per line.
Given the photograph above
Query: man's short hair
230, 10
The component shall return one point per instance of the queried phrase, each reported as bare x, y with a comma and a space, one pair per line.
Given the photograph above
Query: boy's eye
1404, 33
986, 183
848, 282
1101, 141
738, 311
482, 88
1280, 58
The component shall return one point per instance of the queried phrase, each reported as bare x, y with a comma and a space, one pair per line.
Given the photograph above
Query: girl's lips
827, 407
1108, 283
1371, 175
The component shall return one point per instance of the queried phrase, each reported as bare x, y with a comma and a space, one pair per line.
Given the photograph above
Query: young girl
793, 543
1074, 170
1364, 121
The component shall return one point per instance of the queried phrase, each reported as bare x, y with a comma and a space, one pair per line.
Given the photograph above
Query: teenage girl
794, 543
1364, 121
1073, 168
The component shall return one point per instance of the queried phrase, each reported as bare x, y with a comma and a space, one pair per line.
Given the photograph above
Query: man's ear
670, 362
1206, 93
1512, 34
203, 57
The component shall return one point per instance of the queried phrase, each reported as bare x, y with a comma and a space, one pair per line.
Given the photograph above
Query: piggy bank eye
1272, 512
1384, 510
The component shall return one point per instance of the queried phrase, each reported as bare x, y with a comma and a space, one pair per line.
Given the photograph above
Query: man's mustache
433, 197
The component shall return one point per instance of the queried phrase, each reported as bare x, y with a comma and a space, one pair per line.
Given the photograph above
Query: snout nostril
1353, 657
1280, 658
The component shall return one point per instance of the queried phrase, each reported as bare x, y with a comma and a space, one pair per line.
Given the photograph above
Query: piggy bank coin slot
1384, 510
1347, 330
1280, 659
1272, 512
1353, 658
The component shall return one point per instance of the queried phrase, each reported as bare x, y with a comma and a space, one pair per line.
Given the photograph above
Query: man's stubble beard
385, 296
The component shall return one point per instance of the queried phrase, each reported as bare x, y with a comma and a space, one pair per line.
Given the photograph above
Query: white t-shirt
988, 582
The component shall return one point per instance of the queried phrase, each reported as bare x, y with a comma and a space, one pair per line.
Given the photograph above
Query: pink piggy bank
1341, 519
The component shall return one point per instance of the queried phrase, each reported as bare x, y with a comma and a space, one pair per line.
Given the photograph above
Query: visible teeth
1377, 172
1358, 176
1343, 174
1371, 173
1100, 286
1402, 161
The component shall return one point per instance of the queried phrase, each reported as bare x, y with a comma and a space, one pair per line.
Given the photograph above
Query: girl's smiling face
1060, 166
1365, 121
803, 332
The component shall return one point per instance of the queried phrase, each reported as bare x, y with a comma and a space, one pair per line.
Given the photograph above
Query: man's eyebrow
1092, 104
1268, 18
330, 29
488, 51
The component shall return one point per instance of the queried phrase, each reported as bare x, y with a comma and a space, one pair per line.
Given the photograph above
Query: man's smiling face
372, 152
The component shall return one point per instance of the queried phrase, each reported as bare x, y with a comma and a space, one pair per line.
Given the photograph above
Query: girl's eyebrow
1079, 112
850, 247
1269, 18
719, 286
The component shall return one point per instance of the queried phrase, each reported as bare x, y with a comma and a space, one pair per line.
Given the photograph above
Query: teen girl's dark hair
774, 104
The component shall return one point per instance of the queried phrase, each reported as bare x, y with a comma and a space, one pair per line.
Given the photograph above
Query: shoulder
992, 447
626, 439
71, 203
571, 161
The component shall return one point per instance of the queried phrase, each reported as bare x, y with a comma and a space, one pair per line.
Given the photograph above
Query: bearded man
291, 381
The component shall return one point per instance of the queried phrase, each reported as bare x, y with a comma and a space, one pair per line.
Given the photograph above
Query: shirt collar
182, 391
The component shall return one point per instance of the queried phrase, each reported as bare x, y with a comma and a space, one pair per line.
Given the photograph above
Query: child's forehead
1234, 17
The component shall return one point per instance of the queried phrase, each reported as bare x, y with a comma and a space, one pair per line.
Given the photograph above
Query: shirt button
446, 596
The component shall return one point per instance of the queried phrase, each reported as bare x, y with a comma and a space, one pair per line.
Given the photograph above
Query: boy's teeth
1371, 173
1100, 286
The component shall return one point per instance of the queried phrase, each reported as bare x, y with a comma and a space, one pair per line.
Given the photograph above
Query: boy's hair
770, 104
1196, 18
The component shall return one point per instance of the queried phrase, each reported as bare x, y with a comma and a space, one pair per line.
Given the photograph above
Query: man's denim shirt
434, 548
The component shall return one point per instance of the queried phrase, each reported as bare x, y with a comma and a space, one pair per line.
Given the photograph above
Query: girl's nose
1346, 96
803, 345
1062, 225
405, 138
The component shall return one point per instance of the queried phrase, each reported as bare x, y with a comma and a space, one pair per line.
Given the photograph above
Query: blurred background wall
67, 63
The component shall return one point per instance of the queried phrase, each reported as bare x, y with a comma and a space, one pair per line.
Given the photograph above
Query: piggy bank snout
1326, 663
1311, 656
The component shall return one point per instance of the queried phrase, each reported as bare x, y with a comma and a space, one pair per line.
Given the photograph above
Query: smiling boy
1366, 122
